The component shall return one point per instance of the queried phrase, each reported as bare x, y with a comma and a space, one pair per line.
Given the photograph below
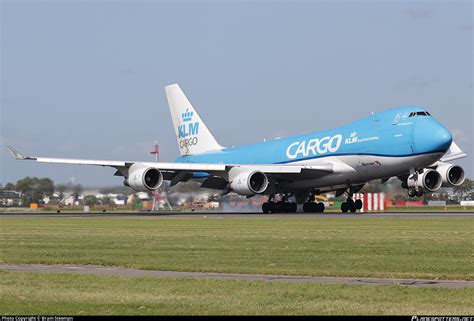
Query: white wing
177, 172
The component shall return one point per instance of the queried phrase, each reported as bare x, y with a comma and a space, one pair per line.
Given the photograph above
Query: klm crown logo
187, 128
187, 115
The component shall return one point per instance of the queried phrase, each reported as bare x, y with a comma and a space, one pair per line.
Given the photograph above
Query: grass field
66, 294
388, 247
436, 248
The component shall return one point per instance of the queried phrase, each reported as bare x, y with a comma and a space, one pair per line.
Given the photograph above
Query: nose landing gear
415, 191
412, 184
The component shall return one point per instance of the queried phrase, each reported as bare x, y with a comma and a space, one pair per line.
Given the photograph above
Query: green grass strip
373, 247
67, 294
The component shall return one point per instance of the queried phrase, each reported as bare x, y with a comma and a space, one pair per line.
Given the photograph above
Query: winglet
17, 154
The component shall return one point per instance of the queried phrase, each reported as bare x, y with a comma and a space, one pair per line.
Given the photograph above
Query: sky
85, 79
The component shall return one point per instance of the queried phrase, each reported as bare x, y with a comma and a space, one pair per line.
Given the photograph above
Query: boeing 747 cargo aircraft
406, 142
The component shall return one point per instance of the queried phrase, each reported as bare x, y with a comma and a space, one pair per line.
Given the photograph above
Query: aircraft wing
178, 172
119, 164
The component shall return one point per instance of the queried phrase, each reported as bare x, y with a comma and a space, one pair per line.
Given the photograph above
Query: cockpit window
419, 113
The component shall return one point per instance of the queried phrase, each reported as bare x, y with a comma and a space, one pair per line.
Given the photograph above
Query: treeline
34, 190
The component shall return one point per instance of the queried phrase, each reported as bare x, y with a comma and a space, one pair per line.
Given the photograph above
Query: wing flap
192, 167
215, 182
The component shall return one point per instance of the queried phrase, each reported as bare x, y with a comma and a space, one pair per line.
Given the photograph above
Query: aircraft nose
431, 137
442, 138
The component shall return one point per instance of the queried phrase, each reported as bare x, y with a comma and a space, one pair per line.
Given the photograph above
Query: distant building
70, 200
10, 198
116, 199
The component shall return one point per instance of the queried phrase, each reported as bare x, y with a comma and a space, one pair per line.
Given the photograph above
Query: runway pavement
100, 270
243, 215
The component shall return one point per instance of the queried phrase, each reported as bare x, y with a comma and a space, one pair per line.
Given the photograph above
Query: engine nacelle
248, 182
430, 180
451, 175
143, 179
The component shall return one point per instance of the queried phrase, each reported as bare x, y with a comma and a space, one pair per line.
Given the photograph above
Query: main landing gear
291, 207
279, 207
282, 206
313, 207
351, 205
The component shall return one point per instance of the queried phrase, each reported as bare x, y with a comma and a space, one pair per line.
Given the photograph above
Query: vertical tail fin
191, 132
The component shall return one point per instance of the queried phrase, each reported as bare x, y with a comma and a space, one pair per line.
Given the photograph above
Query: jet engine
142, 178
451, 175
430, 180
249, 182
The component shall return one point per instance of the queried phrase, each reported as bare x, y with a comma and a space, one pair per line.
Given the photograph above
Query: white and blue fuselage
386, 144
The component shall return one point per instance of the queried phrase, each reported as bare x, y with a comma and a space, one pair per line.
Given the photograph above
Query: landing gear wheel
351, 205
411, 191
419, 192
307, 207
286, 207
344, 207
358, 204
311, 207
320, 207
279, 207
271, 207
293, 207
